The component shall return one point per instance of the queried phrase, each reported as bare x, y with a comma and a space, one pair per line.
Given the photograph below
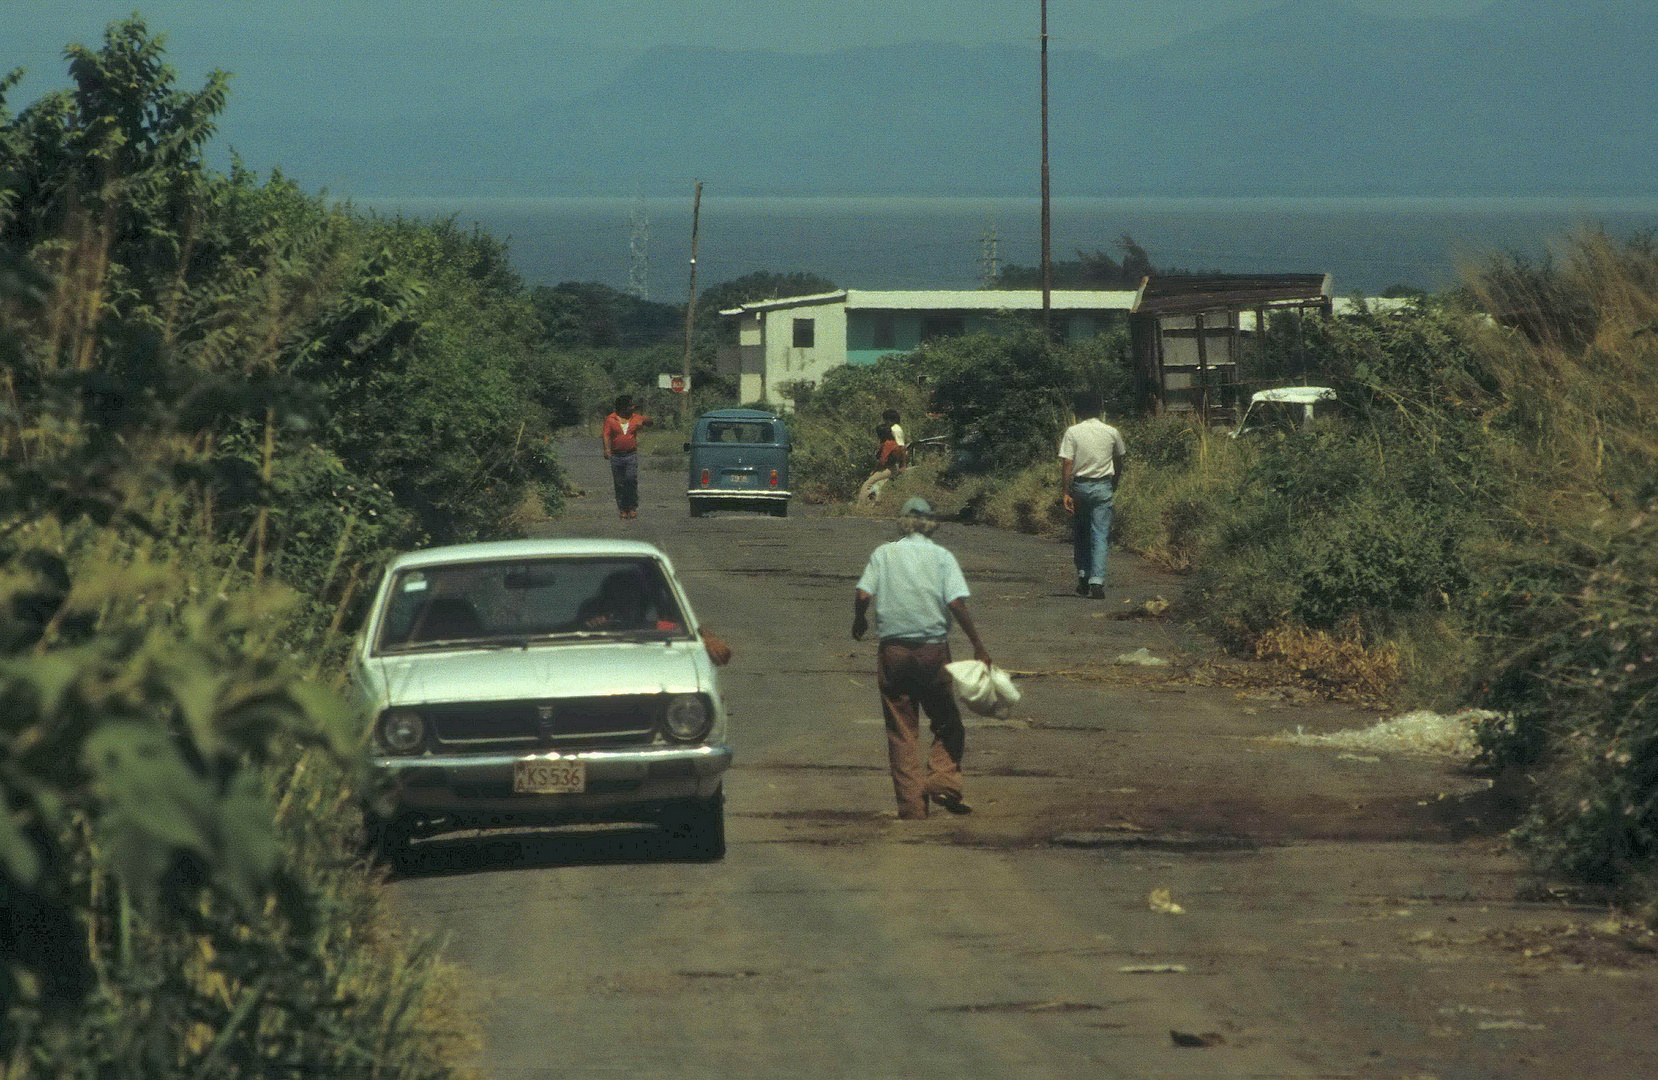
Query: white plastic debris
1420, 732
1143, 658
984, 688
1163, 903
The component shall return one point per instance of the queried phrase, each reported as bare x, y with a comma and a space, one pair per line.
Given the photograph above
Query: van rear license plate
742, 479
549, 777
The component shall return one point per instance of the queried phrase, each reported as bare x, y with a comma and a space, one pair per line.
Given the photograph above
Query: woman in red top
621, 448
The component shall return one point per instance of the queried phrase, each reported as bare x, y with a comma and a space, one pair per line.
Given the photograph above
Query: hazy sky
35, 30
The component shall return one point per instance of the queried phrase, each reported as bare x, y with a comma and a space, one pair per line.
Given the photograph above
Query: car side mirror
687, 448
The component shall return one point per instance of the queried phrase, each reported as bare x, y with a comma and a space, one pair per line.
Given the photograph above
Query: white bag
987, 690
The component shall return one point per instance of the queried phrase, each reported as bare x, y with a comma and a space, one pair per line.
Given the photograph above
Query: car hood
537, 672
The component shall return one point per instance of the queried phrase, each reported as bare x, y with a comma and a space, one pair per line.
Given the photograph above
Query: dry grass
1342, 661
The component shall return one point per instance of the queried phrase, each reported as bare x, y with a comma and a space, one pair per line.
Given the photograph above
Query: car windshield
513, 602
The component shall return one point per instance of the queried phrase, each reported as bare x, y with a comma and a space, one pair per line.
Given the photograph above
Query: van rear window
741, 431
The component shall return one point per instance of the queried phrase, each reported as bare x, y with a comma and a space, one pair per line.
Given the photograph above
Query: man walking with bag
916, 587
1090, 469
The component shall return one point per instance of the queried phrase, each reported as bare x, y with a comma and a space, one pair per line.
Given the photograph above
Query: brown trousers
912, 677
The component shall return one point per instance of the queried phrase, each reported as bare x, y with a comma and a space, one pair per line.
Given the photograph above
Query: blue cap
920, 508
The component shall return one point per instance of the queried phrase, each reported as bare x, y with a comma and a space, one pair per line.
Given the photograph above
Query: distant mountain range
1529, 97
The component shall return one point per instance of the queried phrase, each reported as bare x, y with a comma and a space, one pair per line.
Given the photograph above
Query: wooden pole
1047, 235
691, 307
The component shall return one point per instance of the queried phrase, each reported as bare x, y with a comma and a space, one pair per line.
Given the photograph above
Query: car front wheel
389, 840
696, 829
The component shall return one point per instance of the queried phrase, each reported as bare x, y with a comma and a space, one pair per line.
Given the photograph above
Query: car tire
780, 509
389, 840
696, 829
697, 508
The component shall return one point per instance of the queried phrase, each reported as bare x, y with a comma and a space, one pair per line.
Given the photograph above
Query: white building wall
751, 353
786, 364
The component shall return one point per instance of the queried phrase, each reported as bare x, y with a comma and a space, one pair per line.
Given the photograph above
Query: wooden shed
1188, 334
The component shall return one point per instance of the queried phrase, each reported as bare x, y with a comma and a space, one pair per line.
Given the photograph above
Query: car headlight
402, 730
688, 718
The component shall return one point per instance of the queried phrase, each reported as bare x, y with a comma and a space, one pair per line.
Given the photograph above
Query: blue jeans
1093, 503
624, 474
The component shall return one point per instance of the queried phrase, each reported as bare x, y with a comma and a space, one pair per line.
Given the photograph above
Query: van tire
697, 508
780, 509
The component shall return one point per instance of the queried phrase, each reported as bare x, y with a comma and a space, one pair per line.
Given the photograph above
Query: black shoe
1082, 586
952, 803
1096, 592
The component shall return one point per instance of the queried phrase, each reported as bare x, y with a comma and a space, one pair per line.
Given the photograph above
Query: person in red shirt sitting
890, 460
621, 448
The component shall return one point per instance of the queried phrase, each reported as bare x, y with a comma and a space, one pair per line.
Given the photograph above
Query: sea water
1367, 244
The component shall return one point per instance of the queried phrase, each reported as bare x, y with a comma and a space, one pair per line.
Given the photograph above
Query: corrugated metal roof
955, 300
786, 302
1343, 305
990, 299
1188, 294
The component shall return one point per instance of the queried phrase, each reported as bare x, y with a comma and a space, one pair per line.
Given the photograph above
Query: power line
990, 263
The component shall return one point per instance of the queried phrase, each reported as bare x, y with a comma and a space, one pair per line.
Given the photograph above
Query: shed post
1301, 340
1162, 379
1202, 371
1229, 396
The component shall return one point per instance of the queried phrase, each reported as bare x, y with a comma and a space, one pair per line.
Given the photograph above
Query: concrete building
798, 339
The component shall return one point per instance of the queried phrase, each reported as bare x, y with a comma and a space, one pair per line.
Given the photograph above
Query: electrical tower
639, 255
990, 264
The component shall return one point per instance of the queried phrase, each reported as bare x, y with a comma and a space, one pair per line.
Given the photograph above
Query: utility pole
639, 250
691, 305
1047, 236
990, 264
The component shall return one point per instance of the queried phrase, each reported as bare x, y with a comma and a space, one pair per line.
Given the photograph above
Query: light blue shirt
913, 581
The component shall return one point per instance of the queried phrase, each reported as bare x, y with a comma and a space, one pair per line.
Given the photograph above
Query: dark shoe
1096, 592
952, 803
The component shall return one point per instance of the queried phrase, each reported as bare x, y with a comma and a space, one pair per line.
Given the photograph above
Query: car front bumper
617, 780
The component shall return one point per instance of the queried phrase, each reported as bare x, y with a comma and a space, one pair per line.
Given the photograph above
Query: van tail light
774, 478
705, 478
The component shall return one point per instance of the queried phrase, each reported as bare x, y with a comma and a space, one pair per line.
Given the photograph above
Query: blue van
739, 460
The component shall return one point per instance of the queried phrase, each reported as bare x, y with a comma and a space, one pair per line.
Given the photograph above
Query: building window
886, 332
942, 326
805, 333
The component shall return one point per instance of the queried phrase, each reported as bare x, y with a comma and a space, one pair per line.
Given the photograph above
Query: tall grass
1569, 612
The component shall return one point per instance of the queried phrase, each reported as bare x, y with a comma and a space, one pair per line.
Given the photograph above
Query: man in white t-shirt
891, 417
1090, 467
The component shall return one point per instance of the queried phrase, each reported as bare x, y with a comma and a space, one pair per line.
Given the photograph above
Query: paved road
1344, 917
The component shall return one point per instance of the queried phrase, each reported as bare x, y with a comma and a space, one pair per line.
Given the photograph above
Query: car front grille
515, 725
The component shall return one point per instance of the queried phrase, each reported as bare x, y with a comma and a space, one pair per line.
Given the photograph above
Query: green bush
195, 379
834, 433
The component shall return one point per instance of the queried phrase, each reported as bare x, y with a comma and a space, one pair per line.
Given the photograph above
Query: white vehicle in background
1287, 406
541, 682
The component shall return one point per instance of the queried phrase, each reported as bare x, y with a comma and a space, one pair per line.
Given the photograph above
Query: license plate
741, 479
549, 777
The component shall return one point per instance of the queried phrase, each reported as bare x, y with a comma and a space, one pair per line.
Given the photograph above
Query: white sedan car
541, 682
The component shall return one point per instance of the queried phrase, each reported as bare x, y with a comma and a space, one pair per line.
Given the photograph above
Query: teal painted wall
862, 326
